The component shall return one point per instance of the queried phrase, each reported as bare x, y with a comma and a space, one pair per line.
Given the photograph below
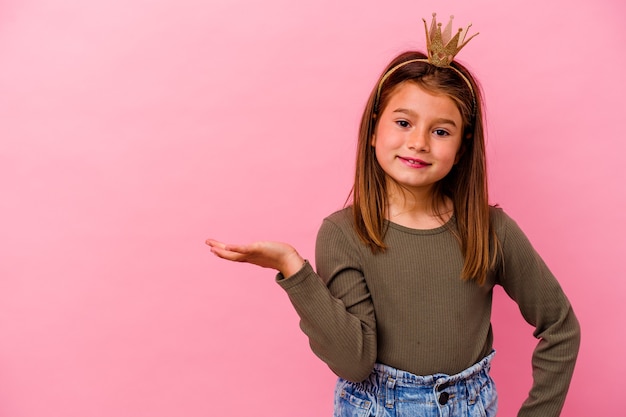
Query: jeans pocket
350, 402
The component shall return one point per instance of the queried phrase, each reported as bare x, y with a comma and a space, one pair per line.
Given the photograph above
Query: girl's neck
418, 210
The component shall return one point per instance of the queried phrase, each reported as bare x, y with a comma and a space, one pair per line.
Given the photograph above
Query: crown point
441, 45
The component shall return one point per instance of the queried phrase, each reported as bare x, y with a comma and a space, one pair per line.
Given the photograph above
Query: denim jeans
390, 392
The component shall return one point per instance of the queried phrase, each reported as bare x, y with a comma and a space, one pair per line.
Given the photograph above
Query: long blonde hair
465, 185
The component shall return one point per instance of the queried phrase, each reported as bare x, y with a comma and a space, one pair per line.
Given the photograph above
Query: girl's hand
275, 255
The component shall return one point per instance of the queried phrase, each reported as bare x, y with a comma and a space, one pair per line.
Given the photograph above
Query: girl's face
417, 137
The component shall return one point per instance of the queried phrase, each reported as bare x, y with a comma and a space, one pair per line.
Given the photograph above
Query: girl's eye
403, 123
441, 132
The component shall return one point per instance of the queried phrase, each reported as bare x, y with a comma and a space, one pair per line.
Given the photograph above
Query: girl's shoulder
337, 231
499, 219
505, 227
339, 223
341, 218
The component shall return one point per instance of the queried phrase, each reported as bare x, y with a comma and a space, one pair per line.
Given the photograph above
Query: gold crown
441, 47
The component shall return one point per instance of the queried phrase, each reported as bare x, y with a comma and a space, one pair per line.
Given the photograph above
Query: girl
400, 305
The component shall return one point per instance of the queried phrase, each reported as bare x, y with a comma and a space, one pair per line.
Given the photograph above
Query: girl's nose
419, 141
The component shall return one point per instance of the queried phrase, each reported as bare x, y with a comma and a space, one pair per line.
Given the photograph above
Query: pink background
131, 130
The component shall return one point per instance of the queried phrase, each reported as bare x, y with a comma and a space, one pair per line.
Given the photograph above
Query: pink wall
131, 130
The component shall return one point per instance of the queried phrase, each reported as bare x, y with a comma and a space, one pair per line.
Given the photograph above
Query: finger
214, 243
226, 254
218, 248
243, 249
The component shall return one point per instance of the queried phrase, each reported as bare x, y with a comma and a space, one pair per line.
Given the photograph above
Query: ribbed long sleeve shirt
409, 308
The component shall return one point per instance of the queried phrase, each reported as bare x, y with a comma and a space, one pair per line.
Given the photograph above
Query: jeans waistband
389, 391
384, 372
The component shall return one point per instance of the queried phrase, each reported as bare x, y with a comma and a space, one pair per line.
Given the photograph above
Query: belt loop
390, 393
472, 390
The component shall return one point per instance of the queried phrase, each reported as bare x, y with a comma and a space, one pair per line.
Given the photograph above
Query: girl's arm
336, 312
335, 307
529, 282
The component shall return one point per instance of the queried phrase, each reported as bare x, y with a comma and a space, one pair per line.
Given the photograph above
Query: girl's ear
459, 154
373, 140
462, 149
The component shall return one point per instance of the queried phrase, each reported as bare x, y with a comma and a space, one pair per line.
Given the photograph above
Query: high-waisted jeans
390, 392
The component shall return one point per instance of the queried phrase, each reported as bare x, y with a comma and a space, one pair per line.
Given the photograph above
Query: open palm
276, 255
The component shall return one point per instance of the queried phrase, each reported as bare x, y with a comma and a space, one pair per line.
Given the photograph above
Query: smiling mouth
414, 162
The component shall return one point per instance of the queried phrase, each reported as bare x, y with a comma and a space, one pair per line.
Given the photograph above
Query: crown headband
441, 52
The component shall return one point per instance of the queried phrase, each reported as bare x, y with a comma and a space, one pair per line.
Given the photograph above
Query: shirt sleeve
335, 307
528, 281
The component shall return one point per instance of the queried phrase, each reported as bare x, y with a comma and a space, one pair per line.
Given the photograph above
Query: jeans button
443, 398
443, 386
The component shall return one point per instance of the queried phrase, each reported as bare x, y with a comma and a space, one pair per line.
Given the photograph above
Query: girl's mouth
413, 162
